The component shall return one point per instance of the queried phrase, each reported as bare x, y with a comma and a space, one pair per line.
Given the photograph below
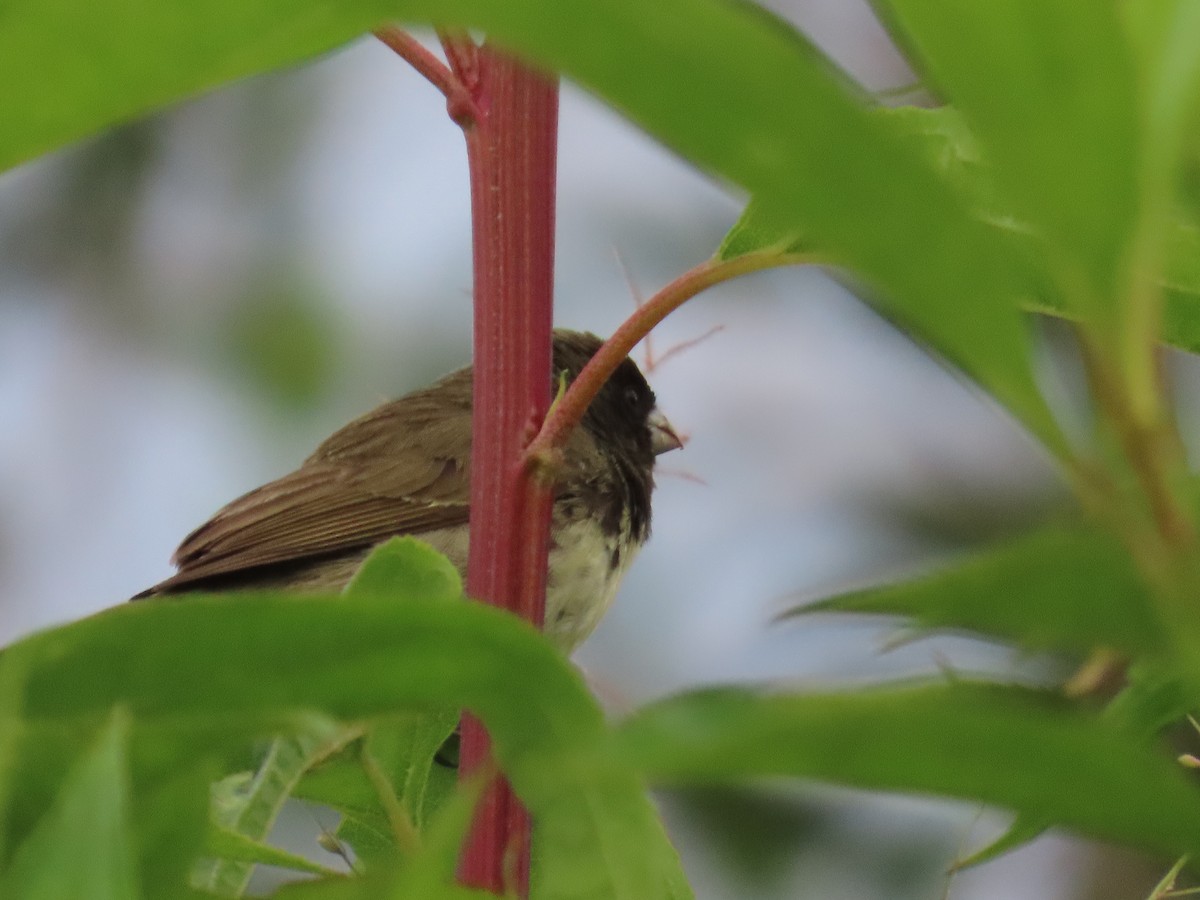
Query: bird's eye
632, 396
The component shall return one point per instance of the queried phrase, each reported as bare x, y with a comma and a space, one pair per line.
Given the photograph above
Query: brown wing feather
400, 469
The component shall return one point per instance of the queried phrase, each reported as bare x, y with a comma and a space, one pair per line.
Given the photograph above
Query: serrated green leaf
248, 808
1064, 587
230, 845
84, 845
1008, 747
1049, 90
283, 656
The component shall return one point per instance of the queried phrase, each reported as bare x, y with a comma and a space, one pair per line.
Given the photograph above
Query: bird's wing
402, 469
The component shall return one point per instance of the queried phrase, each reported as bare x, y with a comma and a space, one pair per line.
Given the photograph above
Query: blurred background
188, 304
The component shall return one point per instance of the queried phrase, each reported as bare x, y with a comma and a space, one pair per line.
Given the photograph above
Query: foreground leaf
1062, 587
71, 69
282, 657
229, 845
1048, 87
84, 845
1007, 747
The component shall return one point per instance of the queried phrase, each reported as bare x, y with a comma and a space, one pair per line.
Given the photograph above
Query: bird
404, 469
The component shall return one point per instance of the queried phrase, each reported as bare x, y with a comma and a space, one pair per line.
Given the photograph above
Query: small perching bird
404, 468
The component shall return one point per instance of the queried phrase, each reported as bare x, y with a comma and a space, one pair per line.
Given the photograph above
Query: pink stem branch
460, 104
542, 453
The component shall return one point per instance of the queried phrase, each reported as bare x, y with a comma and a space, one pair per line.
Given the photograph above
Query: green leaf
1153, 699
434, 868
405, 567
282, 657
1048, 87
1164, 37
939, 136
1181, 314
71, 69
248, 808
12, 687
286, 343
1008, 747
374, 886
230, 845
1060, 587
405, 752
942, 137
84, 845
1018, 834
753, 232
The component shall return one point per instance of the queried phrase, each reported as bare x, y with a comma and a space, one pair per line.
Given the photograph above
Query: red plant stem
541, 454
459, 103
511, 152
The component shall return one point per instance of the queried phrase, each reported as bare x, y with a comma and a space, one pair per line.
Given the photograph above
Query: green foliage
1060, 178
285, 343
355, 658
71, 70
979, 735
1028, 591
84, 844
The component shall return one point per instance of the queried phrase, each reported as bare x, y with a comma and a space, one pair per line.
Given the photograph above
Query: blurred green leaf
84, 845
942, 137
1020, 833
1004, 746
12, 677
71, 69
1049, 90
939, 136
375, 886
230, 845
1061, 587
1153, 698
285, 343
282, 656
1164, 37
753, 232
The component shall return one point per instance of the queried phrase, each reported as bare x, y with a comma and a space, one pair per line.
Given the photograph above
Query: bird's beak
662, 436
